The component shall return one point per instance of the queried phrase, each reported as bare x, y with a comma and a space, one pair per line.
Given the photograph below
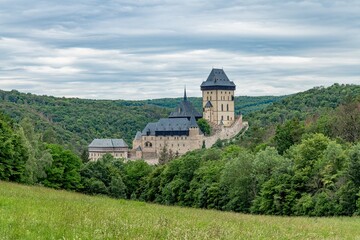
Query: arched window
228, 118
227, 107
148, 144
222, 107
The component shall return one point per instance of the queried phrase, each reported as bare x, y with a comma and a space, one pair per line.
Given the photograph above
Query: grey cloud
132, 49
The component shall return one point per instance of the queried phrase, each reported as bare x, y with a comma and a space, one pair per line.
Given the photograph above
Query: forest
74, 122
300, 156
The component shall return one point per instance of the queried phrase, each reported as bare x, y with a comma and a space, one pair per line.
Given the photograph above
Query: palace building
116, 147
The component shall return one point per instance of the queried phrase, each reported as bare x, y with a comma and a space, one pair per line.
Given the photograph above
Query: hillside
318, 109
314, 101
35, 212
75, 122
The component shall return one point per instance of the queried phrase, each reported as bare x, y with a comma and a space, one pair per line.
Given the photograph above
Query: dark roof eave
218, 87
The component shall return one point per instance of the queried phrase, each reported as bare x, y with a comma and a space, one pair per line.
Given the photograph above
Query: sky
103, 49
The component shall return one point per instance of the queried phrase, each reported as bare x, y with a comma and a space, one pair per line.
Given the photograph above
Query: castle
180, 133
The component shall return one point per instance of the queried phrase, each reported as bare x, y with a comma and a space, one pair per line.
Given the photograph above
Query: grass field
40, 213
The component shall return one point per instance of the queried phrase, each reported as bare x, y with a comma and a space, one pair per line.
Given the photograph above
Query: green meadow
28, 212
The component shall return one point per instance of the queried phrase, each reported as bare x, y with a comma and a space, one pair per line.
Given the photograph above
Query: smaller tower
185, 109
218, 98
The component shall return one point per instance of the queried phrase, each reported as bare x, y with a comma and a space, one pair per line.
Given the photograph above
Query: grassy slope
39, 213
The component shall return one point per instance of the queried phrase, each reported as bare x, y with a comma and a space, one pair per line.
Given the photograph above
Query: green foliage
165, 155
333, 111
39, 157
288, 134
64, 172
13, 153
238, 178
74, 122
104, 176
204, 126
135, 173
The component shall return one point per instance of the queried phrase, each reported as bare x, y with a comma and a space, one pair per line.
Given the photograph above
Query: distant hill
74, 122
306, 107
314, 101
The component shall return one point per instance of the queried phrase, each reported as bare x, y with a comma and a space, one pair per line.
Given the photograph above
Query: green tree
135, 173
104, 176
13, 153
64, 172
238, 178
288, 134
204, 126
39, 157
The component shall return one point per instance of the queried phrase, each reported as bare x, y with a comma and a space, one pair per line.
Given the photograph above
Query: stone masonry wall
225, 132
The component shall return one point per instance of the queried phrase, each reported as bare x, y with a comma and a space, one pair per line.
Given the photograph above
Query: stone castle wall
225, 132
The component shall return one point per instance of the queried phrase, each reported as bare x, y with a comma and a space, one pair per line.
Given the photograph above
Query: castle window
228, 118
222, 107
222, 117
227, 107
148, 144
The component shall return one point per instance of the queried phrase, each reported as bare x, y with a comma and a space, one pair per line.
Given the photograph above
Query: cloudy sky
114, 49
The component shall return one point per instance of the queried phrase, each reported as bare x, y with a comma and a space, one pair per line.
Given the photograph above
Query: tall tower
218, 98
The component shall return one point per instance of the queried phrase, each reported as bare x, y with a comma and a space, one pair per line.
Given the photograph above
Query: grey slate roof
138, 135
112, 143
185, 109
193, 122
217, 79
168, 125
208, 104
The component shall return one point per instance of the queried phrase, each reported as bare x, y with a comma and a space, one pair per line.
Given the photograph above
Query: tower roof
193, 123
208, 105
217, 80
185, 109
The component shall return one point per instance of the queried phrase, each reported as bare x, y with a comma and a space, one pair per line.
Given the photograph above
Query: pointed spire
193, 123
185, 97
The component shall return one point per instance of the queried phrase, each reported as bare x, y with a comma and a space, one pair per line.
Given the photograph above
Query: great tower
218, 98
